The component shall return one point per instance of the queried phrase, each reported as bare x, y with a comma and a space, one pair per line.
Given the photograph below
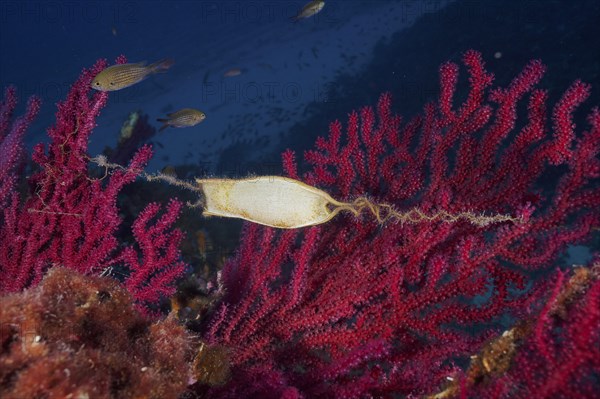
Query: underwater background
294, 77
290, 79
268, 83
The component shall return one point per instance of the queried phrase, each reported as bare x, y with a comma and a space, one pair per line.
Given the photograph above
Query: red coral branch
358, 309
70, 219
11, 138
152, 275
554, 355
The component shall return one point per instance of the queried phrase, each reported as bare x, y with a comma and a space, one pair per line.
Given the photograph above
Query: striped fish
182, 118
118, 77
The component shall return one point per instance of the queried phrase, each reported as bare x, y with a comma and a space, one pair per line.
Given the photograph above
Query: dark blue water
296, 77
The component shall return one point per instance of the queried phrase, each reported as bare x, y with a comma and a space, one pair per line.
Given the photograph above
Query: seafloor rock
81, 337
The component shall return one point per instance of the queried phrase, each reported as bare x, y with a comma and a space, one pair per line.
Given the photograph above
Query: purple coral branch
71, 219
356, 309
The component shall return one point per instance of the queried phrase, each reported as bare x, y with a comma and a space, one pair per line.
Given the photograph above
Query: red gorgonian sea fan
357, 309
70, 218
555, 354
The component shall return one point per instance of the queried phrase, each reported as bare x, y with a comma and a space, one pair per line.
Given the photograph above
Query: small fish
169, 170
232, 72
183, 118
265, 65
118, 77
310, 9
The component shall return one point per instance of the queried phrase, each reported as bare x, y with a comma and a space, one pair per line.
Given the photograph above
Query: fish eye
97, 83
112, 83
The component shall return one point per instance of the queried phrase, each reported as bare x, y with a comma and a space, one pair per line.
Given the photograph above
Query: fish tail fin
165, 123
161, 66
